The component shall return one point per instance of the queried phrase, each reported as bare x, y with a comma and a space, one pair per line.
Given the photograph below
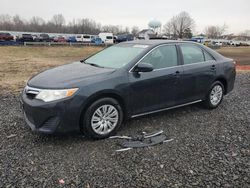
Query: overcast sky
235, 13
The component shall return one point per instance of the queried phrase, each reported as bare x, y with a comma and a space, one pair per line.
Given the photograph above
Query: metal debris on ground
11, 136
142, 140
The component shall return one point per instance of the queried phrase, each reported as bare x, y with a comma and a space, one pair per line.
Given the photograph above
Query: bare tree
19, 23
168, 29
179, 24
215, 31
37, 24
135, 30
116, 29
58, 20
6, 22
244, 35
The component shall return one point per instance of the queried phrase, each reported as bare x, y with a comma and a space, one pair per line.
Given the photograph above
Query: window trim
177, 53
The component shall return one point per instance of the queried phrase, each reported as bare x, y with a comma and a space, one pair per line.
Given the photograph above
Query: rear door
158, 89
199, 70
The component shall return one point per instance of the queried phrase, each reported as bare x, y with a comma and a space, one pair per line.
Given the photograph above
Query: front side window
109, 37
162, 57
192, 54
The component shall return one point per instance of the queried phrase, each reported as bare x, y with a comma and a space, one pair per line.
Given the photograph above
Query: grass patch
18, 64
240, 54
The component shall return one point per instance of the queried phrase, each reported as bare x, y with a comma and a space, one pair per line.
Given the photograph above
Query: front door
158, 89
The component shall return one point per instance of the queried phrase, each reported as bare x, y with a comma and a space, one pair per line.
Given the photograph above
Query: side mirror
143, 67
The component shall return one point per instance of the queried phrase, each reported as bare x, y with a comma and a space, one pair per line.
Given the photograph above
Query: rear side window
109, 37
162, 57
208, 57
192, 54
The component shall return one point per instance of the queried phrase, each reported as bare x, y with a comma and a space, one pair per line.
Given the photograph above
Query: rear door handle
177, 75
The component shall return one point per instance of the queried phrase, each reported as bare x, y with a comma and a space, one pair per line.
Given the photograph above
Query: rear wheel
103, 118
214, 96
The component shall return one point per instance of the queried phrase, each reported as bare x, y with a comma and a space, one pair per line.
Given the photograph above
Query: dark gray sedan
127, 80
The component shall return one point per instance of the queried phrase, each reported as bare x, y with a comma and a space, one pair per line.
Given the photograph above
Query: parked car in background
124, 38
43, 38
126, 80
60, 39
6, 37
71, 39
35, 37
79, 38
234, 43
86, 38
107, 38
219, 43
26, 38
97, 41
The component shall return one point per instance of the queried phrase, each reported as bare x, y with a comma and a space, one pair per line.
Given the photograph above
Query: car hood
68, 76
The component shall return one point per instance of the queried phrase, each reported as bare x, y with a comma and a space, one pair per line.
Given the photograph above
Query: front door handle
177, 73
213, 67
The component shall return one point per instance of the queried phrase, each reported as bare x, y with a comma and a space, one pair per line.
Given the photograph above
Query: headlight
48, 95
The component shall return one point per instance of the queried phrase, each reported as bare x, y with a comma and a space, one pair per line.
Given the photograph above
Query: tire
216, 92
97, 124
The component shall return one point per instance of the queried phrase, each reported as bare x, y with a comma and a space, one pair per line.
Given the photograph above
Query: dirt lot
240, 54
210, 148
18, 64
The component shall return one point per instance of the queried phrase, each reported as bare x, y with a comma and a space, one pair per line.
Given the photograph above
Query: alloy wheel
216, 95
104, 119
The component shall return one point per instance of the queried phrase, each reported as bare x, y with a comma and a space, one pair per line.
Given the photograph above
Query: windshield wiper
95, 65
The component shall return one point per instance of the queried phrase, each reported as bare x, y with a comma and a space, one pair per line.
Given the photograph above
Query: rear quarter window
208, 57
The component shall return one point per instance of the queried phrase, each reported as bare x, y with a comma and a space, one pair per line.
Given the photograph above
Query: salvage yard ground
210, 148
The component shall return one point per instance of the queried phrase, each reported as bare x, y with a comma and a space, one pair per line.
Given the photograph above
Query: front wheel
214, 96
103, 118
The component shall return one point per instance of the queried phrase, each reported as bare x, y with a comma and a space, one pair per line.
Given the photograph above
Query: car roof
157, 42
154, 43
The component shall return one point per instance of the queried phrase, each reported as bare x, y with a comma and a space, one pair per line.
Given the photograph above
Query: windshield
116, 56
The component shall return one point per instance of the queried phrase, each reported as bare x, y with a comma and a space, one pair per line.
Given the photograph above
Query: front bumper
61, 116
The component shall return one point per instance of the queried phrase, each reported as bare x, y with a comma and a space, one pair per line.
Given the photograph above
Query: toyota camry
95, 95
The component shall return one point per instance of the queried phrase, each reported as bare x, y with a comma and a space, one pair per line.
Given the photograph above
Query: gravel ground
210, 149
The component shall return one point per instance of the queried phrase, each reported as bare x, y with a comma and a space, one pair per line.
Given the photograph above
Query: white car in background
219, 43
83, 38
107, 38
79, 38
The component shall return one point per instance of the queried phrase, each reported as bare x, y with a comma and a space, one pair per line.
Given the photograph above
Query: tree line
57, 24
181, 25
